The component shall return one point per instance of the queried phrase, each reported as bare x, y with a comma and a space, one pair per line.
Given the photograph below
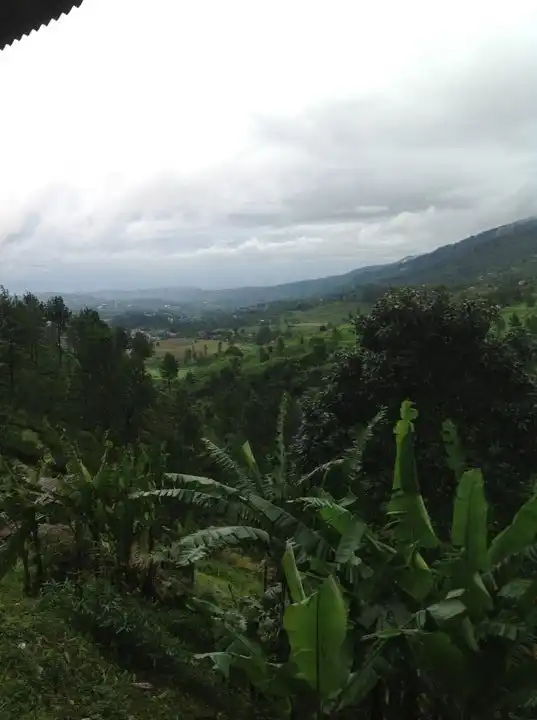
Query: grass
227, 577
50, 671
47, 671
336, 312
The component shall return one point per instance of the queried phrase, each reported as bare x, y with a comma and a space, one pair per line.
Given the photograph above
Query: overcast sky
228, 143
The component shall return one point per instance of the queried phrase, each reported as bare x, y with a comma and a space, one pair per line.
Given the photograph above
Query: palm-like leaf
353, 458
235, 476
350, 462
284, 526
203, 493
198, 545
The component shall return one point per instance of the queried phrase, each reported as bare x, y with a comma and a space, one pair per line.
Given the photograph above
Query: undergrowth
49, 671
89, 652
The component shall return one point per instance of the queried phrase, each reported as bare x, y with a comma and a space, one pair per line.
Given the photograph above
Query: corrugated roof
20, 17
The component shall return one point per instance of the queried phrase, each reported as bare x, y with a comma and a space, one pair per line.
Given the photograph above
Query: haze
222, 144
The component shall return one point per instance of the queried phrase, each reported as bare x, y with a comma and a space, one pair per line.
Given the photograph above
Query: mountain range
492, 256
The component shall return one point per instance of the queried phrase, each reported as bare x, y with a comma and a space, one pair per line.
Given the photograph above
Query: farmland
289, 334
178, 346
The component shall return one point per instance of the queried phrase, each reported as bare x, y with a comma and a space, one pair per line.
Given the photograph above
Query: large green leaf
469, 527
416, 578
201, 484
292, 575
351, 540
448, 609
350, 527
406, 504
317, 629
202, 492
516, 536
251, 462
233, 509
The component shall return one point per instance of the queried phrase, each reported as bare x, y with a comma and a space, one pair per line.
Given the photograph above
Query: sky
220, 144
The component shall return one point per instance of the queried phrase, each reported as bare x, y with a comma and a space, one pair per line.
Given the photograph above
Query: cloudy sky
227, 143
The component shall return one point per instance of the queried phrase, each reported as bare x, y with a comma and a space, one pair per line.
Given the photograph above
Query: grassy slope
336, 312
48, 671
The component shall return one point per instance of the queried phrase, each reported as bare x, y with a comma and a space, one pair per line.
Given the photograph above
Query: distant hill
227, 298
509, 251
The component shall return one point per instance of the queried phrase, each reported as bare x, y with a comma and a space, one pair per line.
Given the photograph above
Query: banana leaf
406, 504
469, 527
317, 630
516, 536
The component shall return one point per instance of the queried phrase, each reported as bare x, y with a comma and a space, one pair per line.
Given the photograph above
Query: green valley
284, 468
172, 505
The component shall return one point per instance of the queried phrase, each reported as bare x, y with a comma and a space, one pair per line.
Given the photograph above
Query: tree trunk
409, 701
11, 366
38, 560
376, 703
26, 582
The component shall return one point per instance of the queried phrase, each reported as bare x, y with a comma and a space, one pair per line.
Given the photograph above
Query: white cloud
212, 142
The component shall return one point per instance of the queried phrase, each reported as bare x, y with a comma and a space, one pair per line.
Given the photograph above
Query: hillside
142, 565
498, 253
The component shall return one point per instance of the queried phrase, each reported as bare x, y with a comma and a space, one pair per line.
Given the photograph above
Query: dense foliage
446, 356
247, 508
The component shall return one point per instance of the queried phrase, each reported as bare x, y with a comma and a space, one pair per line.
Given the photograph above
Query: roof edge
19, 20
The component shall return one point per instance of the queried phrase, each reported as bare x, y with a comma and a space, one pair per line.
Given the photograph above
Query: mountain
508, 251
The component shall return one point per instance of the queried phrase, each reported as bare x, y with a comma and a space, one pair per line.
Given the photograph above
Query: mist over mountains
490, 256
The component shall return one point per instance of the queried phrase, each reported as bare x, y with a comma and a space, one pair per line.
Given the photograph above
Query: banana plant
440, 628
258, 508
307, 684
102, 505
397, 620
473, 626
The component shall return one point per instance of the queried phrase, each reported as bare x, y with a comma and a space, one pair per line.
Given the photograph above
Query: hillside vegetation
324, 511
